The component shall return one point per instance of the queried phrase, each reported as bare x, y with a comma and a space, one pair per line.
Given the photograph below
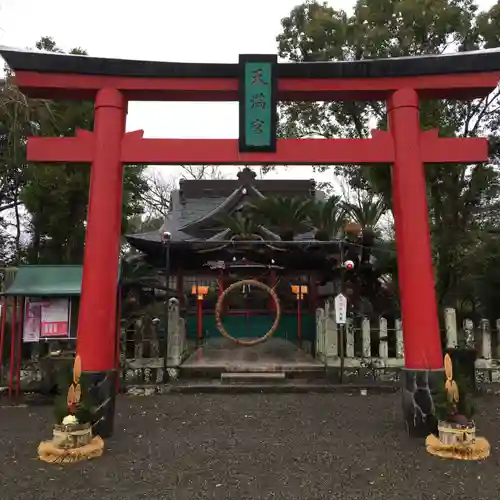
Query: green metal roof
36, 281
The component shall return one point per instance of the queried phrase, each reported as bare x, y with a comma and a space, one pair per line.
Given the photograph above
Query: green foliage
290, 216
63, 381
19, 117
366, 212
283, 215
242, 226
463, 199
84, 409
136, 272
450, 411
328, 217
55, 196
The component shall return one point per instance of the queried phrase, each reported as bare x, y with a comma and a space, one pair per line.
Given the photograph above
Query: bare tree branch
198, 172
157, 199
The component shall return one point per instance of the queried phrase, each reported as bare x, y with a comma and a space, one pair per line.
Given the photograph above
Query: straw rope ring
220, 304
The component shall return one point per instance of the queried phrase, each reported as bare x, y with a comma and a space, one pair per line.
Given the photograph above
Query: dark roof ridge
477, 61
226, 206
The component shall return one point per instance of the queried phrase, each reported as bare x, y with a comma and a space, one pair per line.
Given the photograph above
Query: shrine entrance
253, 305
258, 82
256, 324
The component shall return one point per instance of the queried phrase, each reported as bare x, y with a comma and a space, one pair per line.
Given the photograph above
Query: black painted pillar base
419, 390
99, 392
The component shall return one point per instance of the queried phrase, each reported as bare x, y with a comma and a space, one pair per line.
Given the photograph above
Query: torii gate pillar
96, 341
422, 342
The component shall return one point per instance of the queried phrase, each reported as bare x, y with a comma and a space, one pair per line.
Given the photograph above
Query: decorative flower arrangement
70, 407
455, 406
457, 430
72, 440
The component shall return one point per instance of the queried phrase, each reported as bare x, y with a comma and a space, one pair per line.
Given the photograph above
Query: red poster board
54, 318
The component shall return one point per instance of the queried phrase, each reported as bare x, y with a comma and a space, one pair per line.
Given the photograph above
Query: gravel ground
250, 446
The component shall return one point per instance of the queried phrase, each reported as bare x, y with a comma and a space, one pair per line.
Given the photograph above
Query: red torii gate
401, 82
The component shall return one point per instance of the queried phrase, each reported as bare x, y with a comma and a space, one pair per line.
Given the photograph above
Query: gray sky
162, 30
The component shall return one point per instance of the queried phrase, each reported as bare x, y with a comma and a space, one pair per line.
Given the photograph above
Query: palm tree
243, 227
327, 217
367, 212
284, 215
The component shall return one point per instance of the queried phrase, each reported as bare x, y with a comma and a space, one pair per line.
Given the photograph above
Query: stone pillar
320, 333
349, 339
366, 341
175, 340
486, 340
400, 347
450, 324
331, 334
383, 347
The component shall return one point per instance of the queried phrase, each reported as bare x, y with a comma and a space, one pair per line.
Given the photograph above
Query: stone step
254, 377
290, 371
212, 386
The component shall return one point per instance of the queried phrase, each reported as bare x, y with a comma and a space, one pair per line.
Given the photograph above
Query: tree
156, 199
19, 117
386, 28
327, 217
198, 172
283, 215
367, 212
240, 226
56, 196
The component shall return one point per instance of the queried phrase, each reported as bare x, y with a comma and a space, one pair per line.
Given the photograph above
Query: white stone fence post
378, 344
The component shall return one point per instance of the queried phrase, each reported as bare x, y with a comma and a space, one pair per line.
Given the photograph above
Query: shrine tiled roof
197, 205
241, 195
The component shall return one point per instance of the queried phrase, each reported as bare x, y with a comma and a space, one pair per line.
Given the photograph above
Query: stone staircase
252, 377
